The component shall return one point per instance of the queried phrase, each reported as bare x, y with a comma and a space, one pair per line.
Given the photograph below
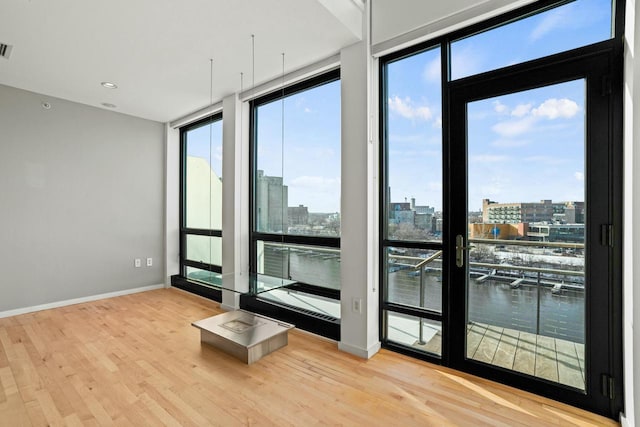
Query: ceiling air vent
5, 50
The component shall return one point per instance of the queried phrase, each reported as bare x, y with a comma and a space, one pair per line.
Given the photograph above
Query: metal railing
421, 263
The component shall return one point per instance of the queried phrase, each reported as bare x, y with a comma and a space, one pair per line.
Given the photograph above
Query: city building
506, 231
421, 217
94, 103
556, 233
272, 203
545, 210
298, 215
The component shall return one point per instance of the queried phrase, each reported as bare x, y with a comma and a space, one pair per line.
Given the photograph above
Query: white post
359, 332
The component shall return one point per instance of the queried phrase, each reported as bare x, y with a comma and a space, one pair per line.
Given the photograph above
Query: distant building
504, 231
400, 213
544, 211
421, 209
423, 218
572, 233
423, 221
298, 215
272, 200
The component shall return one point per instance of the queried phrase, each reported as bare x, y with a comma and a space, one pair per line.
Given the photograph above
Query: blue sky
309, 156
522, 147
200, 140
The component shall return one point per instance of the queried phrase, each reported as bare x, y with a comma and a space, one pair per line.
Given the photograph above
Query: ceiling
158, 51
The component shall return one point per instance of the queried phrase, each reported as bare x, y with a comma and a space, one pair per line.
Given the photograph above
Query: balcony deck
553, 359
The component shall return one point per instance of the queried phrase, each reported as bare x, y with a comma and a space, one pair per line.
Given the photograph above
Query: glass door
529, 248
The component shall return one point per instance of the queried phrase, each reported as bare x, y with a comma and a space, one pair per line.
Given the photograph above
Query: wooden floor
135, 360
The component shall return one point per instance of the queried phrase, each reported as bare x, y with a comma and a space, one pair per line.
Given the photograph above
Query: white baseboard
360, 352
57, 304
624, 422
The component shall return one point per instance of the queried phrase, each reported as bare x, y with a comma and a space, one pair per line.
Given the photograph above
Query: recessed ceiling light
108, 105
109, 85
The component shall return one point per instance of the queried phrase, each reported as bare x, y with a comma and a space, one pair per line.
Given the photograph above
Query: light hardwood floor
135, 360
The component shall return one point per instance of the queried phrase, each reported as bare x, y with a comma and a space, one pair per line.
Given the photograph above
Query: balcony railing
515, 275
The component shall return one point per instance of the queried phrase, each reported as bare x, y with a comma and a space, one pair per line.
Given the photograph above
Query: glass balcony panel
414, 278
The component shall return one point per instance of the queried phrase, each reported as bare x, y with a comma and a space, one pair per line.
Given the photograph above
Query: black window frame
320, 324
615, 45
181, 280
283, 238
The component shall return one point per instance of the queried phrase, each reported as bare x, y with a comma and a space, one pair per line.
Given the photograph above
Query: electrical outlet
137, 262
149, 262
357, 305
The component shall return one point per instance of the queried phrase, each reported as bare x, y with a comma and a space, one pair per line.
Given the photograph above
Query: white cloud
316, 183
546, 160
513, 128
488, 158
526, 116
499, 107
307, 110
510, 143
432, 70
521, 110
553, 108
552, 20
466, 62
406, 138
218, 153
491, 190
437, 123
579, 176
414, 155
434, 185
406, 108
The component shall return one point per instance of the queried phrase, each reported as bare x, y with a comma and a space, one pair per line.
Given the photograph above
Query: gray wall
81, 196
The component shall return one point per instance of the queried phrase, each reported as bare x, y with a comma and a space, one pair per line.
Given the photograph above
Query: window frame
614, 44
184, 230
283, 238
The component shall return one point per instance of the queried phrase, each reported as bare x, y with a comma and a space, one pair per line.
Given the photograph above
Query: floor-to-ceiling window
295, 196
501, 240
201, 206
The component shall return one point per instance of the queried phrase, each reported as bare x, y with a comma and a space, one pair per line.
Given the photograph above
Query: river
558, 315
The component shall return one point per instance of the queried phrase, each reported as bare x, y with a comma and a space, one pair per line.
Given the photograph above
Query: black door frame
602, 179
608, 383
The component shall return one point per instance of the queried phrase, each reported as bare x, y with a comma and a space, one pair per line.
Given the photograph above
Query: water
558, 315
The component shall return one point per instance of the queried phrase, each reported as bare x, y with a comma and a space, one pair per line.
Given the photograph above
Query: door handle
460, 248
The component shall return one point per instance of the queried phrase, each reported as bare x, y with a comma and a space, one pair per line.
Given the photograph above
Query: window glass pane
527, 222
209, 277
414, 148
204, 249
203, 189
414, 277
297, 182
410, 331
317, 304
566, 27
313, 265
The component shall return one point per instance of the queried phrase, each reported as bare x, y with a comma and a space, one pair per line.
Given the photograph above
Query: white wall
81, 197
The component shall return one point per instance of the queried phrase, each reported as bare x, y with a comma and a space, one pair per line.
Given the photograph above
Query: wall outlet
356, 305
137, 262
149, 262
